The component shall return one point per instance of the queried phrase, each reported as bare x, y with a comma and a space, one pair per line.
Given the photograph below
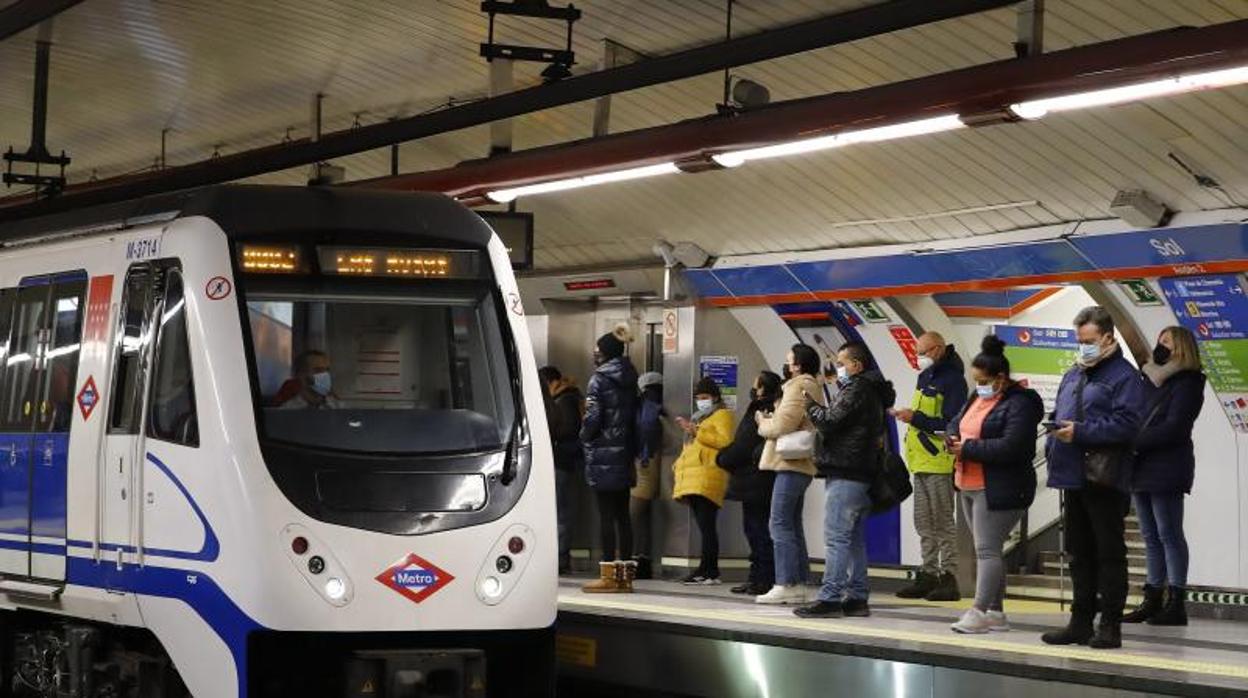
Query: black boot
1174, 612
1108, 637
1149, 608
946, 589
644, 569
922, 586
1078, 632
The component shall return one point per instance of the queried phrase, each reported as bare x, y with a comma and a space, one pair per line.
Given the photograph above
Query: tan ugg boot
607, 582
627, 571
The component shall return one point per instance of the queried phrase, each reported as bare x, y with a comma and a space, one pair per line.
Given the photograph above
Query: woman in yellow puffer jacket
701, 483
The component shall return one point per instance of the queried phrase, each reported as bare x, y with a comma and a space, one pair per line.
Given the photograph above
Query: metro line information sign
1215, 309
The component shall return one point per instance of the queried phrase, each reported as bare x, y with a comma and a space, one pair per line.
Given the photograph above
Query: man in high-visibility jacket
938, 397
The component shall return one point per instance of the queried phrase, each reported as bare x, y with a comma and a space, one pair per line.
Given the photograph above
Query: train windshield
423, 370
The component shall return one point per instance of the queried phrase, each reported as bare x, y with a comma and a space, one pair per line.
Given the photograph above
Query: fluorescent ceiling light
880, 133
503, 196
1036, 109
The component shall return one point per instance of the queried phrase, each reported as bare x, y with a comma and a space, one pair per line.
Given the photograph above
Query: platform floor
1208, 657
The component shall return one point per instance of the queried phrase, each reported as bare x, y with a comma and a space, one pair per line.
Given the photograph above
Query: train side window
20, 382
123, 416
56, 404
8, 297
171, 415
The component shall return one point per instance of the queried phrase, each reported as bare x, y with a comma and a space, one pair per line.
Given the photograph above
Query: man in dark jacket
852, 427
609, 438
565, 439
939, 394
1097, 415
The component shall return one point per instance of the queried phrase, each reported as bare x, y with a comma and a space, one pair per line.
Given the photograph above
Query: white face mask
322, 383
925, 362
842, 374
985, 391
705, 405
1088, 352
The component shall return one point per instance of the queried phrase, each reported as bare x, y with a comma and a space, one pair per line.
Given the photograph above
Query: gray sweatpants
990, 529
934, 522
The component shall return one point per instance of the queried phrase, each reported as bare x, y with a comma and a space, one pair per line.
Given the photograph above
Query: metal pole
39, 117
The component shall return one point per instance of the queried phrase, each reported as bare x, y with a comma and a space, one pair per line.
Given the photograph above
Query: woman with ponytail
994, 441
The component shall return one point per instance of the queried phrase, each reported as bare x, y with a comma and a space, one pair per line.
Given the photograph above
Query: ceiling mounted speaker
749, 94
1139, 208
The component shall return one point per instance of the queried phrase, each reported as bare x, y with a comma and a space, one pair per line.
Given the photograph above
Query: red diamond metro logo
88, 397
415, 577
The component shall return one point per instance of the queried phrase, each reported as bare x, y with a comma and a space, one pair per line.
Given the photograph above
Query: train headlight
491, 587
335, 589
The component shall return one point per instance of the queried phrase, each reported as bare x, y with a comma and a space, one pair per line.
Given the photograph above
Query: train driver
312, 386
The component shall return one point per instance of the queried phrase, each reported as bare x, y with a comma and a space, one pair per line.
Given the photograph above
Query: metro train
271, 441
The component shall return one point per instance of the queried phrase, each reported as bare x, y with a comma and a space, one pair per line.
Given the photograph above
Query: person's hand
685, 425
1066, 433
955, 446
904, 414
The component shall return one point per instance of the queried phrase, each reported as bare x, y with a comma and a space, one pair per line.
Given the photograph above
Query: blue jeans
565, 481
787, 535
846, 506
1165, 546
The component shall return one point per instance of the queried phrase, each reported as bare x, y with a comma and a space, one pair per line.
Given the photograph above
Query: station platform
671, 640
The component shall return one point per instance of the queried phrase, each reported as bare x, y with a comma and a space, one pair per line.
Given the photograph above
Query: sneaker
973, 622
946, 589
698, 580
997, 622
821, 609
856, 608
781, 595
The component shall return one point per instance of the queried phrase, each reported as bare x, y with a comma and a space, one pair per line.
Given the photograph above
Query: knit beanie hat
611, 344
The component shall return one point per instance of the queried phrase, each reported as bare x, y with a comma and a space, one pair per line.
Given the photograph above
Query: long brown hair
1185, 352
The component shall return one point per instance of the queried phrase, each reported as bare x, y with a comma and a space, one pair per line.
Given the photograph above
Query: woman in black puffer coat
752, 487
608, 432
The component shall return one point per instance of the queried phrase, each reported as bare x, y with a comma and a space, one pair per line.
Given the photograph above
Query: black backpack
890, 486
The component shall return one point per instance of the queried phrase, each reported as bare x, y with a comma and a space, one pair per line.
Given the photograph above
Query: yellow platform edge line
861, 628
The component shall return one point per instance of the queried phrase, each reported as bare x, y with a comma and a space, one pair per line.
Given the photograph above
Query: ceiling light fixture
1038, 108
503, 196
880, 133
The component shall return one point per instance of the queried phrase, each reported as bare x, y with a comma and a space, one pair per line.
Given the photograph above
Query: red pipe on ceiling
967, 91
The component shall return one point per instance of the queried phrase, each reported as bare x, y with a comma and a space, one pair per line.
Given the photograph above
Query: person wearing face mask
993, 439
1165, 466
752, 486
700, 483
853, 430
1095, 424
312, 386
793, 475
650, 421
939, 394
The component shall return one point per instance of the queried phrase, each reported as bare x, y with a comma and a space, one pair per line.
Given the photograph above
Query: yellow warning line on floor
863, 628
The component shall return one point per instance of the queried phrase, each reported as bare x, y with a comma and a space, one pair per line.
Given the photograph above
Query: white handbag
796, 445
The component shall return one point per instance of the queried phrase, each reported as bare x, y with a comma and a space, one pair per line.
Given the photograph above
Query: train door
123, 440
44, 322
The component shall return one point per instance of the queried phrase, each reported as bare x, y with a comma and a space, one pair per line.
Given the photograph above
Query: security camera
667, 252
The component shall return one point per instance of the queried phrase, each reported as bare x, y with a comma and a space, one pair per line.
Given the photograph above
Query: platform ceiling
230, 75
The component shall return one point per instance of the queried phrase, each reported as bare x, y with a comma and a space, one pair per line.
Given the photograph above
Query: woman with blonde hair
1165, 466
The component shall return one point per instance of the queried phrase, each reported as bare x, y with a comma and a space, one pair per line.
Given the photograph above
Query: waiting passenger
1165, 466
852, 427
994, 440
700, 483
649, 450
312, 386
565, 438
752, 486
1098, 421
939, 395
794, 468
610, 447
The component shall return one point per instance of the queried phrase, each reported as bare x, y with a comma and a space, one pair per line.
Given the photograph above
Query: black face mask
1161, 354
753, 394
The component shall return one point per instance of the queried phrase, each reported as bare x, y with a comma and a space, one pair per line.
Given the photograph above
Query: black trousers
755, 517
1096, 543
613, 517
704, 513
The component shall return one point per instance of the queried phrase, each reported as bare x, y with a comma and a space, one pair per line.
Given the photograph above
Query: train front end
411, 548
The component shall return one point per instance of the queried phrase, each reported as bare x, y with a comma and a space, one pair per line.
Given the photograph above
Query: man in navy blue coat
1107, 421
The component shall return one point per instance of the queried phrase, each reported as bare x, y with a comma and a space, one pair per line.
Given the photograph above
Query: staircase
1052, 583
